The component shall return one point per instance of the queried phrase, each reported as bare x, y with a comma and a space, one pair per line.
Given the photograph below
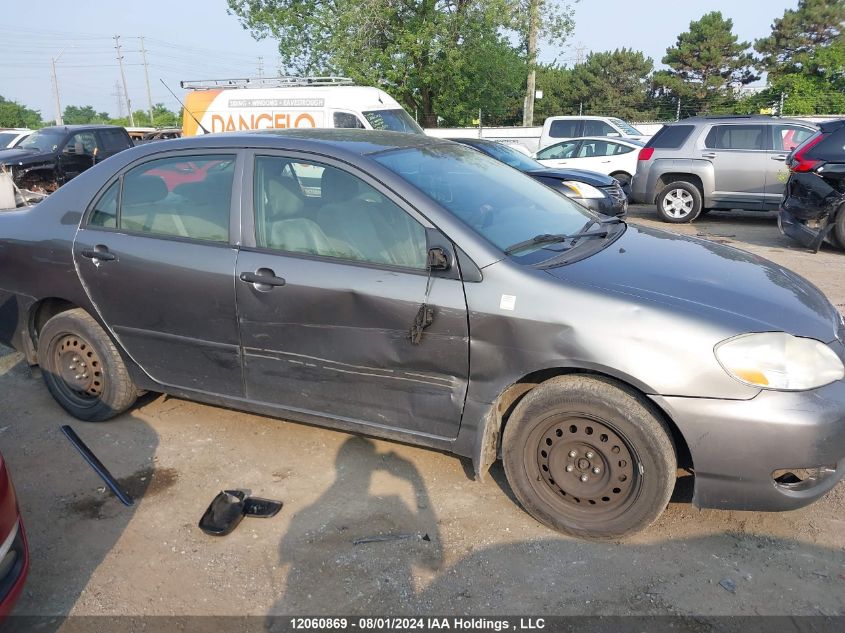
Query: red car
14, 551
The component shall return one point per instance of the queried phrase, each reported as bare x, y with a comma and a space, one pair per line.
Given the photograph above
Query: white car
612, 156
11, 137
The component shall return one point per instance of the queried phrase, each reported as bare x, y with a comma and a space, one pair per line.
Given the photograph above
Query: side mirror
438, 258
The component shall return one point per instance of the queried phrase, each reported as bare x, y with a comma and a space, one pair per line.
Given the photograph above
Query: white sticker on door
508, 302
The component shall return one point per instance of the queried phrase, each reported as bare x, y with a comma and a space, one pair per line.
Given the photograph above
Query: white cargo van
229, 105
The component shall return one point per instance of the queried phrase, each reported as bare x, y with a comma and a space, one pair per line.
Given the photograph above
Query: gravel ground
481, 553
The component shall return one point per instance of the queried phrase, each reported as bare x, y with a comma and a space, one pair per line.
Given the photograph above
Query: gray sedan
415, 289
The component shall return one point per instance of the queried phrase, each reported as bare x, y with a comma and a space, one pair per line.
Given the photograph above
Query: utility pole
678, 110
117, 95
780, 107
580, 108
531, 84
59, 120
123, 77
147, 78
579, 53
260, 67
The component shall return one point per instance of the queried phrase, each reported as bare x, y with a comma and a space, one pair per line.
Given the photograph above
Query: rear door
784, 137
331, 277
740, 159
155, 255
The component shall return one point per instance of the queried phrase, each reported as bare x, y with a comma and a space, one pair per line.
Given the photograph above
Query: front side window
82, 144
347, 120
747, 137
786, 138
559, 151
185, 196
314, 209
598, 128
503, 205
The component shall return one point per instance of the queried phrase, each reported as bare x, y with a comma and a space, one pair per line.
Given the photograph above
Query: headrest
283, 201
144, 189
337, 186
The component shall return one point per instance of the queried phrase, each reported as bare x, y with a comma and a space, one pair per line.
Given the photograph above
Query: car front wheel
679, 202
589, 458
82, 368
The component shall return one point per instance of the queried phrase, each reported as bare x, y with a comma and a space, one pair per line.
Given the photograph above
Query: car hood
581, 175
17, 156
743, 290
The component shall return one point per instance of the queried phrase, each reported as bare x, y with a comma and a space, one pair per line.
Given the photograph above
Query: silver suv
704, 163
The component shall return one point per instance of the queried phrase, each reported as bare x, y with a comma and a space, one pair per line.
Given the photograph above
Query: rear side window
114, 141
566, 128
670, 137
185, 196
747, 137
105, 211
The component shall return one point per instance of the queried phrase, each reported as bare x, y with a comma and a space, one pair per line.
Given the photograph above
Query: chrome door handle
262, 277
780, 157
708, 154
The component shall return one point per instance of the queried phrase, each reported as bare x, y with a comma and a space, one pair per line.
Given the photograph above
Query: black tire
565, 429
679, 202
625, 181
82, 368
839, 228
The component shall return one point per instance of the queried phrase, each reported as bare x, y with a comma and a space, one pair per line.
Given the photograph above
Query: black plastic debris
229, 507
97, 465
383, 538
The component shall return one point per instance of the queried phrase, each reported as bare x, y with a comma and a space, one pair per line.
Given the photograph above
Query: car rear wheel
679, 202
82, 368
588, 458
839, 228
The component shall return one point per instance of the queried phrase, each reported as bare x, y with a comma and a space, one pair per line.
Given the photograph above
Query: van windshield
626, 127
394, 120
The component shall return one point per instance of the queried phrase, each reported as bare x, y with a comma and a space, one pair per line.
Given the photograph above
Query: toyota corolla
412, 288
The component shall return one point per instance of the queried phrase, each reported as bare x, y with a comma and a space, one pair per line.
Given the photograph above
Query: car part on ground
92, 460
716, 162
591, 189
281, 272
229, 507
812, 208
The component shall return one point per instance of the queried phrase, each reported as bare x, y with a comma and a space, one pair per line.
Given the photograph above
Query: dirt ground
473, 550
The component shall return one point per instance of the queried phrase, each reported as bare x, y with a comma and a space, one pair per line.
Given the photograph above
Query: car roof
85, 126
353, 142
741, 118
609, 139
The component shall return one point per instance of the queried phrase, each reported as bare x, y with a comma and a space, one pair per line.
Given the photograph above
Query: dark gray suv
704, 163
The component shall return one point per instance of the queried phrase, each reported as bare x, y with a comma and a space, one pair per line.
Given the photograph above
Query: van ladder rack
266, 82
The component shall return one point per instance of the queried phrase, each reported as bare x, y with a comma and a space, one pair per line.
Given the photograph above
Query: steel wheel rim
677, 203
78, 370
570, 482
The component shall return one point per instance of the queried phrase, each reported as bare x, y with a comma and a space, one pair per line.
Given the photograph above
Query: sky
198, 39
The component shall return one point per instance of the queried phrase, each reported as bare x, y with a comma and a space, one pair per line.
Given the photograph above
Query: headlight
780, 361
582, 190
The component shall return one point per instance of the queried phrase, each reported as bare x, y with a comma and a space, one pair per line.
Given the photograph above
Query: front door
330, 281
156, 260
740, 160
78, 154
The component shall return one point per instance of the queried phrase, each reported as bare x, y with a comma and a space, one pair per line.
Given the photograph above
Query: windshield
509, 156
500, 203
626, 127
43, 140
393, 120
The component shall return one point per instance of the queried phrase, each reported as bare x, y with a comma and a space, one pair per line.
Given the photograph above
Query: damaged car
411, 288
51, 156
812, 208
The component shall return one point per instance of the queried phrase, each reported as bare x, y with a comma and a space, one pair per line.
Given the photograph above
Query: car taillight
645, 153
799, 161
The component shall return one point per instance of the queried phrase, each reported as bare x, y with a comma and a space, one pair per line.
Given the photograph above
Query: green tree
615, 82
796, 38
74, 115
162, 117
13, 114
418, 51
707, 64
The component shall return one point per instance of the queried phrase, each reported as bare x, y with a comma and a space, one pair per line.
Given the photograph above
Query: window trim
234, 202
248, 228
